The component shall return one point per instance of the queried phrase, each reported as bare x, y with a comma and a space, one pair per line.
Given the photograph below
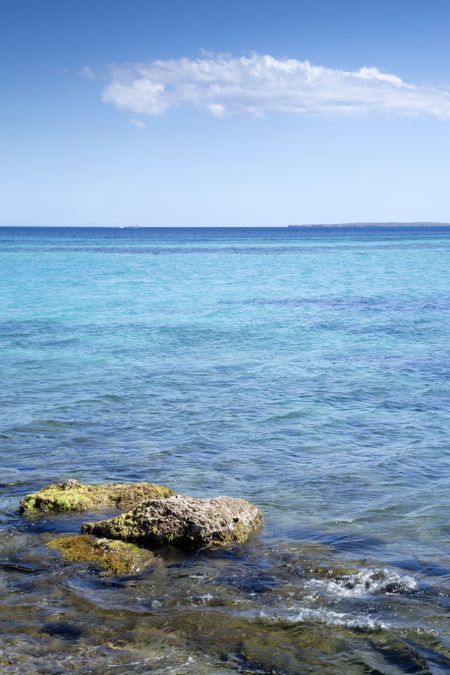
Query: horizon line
424, 223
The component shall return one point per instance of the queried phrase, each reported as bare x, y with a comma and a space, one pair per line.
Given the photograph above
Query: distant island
391, 224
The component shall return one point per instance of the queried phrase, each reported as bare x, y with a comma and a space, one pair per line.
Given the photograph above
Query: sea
304, 369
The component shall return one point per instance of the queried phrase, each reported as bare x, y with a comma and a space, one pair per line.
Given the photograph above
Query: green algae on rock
182, 521
114, 557
74, 496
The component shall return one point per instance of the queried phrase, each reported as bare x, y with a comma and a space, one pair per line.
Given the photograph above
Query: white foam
204, 599
330, 618
365, 582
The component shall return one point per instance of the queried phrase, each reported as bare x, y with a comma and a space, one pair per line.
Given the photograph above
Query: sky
224, 113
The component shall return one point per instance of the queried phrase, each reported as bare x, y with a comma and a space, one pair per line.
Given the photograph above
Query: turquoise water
307, 370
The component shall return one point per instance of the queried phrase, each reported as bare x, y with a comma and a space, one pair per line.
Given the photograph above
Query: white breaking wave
365, 582
329, 617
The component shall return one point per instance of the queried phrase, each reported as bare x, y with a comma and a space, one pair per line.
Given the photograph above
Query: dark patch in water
65, 631
429, 569
433, 658
405, 658
20, 568
356, 542
251, 584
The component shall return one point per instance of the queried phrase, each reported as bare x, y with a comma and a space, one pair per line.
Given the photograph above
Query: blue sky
224, 113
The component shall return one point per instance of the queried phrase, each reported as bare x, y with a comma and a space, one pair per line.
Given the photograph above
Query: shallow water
307, 370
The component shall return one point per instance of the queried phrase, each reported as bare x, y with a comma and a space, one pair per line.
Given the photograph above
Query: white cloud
138, 123
261, 84
87, 71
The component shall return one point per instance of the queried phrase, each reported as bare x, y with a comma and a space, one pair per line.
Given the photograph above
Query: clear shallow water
307, 370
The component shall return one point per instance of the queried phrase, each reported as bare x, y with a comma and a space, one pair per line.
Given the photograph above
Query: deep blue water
307, 370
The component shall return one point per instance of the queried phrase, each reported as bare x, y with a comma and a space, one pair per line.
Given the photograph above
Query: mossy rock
114, 557
184, 522
333, 572
74, 496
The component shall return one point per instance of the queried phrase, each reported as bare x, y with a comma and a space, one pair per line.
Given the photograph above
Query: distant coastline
390, 224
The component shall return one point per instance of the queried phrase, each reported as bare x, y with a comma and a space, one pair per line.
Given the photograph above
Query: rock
185, 522
332, 572
74, 496
114, 557
70, 483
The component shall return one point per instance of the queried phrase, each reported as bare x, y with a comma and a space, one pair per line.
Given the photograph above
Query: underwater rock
74, 496
114, 557
182, 521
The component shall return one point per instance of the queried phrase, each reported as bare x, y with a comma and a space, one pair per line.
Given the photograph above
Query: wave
329, 617
365, 582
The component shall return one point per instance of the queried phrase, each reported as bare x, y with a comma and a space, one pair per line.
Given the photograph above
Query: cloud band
261, 84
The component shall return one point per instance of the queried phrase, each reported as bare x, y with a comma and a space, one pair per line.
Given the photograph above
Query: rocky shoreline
152, 581
152, 517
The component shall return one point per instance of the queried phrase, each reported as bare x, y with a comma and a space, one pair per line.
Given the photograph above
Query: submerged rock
185, 522
115, 557
74, 496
